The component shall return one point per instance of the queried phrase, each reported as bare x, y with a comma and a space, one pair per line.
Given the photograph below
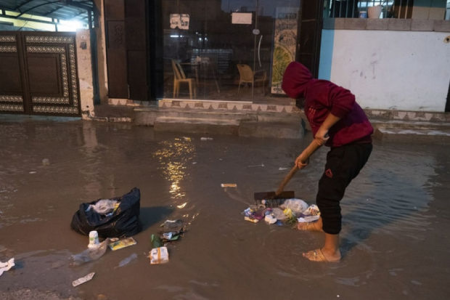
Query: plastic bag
296, 205
278, 214
90, 254
104, 206
123, 222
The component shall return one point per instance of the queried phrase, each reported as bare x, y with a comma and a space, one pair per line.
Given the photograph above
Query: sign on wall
179, 20
241, 18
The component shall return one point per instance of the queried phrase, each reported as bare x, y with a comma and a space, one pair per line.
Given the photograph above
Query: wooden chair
246, 75
179, 77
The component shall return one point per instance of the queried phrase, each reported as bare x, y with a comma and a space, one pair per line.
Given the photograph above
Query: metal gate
38, 73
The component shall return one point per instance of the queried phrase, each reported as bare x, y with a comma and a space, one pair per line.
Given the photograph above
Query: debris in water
83, 279
6, 266
225, 185
90, 254
159, 256
127, 260
122, 243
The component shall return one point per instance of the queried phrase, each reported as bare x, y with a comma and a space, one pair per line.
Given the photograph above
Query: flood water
394, 240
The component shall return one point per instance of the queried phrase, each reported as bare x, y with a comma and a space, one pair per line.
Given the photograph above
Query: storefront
207, 49
226, 49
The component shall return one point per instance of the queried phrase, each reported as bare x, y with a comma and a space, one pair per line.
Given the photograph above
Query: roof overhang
74, 10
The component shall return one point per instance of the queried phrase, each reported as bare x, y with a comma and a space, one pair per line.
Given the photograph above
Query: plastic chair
246, 75
179, 77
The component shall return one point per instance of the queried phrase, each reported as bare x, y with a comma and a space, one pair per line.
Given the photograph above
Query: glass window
227, 49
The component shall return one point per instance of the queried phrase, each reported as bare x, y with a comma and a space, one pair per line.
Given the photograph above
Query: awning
76, 10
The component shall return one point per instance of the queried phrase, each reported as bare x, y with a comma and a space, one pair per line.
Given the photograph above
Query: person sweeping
338, 122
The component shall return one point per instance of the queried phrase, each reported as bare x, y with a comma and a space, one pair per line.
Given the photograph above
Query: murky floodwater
394, 239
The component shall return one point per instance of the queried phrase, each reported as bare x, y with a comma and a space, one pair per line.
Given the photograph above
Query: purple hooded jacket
323, 97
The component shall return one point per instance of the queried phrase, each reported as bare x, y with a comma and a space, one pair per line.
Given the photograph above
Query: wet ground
394, 240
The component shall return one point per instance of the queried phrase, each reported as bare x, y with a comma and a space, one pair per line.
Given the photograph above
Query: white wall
402, 70
84, 63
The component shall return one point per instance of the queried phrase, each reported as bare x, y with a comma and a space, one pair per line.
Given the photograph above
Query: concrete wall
402, 70
84, 63
101, 53
429, 9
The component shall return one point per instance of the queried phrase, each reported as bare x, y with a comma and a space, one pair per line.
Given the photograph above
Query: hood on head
295, 79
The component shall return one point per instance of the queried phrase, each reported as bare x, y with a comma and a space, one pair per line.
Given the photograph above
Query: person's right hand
301, 162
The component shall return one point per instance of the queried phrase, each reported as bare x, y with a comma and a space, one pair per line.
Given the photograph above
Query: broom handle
308, 152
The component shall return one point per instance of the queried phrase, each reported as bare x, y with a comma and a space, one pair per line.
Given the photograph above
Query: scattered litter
311, 214
286, 212
173, 226
120, 244
182, 205
104, 206
127, 260
226, 185
194, 162
187, 139
156, 241
159, 256
308, 219
312, 210
45, 162
282, 169
251, 219
296, 205
33, 172
93, 239
6, 266
90, 254
247, 212
172, 229
82, 280
279, 214
170, 236
254, 166
270, 219
206, 138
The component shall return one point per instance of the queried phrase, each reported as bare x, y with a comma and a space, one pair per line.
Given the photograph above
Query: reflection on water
173, 157
91, 151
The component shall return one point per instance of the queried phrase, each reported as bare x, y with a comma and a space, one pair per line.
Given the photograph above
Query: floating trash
159, 256
84, 279
227, 185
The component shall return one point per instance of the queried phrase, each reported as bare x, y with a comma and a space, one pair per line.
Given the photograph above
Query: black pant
343, 165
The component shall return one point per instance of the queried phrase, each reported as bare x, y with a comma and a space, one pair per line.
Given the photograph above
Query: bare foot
322, 256
311, 226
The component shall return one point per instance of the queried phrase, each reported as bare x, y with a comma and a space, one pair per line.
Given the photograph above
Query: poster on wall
241, 18
179, 20
284, 44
